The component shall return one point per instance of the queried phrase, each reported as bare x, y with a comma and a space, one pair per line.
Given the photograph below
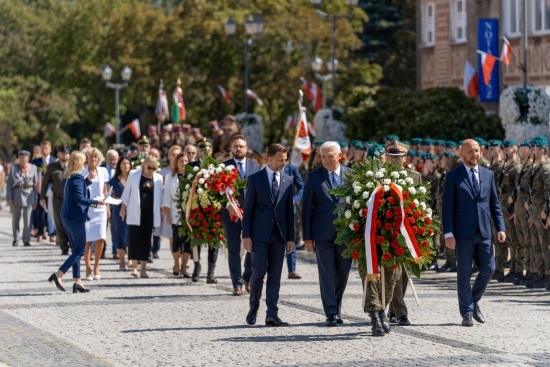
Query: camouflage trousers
539, 241
521, 225
373, 299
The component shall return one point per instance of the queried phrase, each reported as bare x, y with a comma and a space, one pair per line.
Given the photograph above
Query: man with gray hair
110, 165
319, 232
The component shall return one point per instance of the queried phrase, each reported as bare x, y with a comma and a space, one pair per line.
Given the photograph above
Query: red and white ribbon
190, 200
405, 228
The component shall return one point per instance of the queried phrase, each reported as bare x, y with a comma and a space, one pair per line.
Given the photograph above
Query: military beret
419, 153
416, 141
353, 142
480, 141
410, 153
318, 143
442, 142
391, 137
526, 143
24, 152
406, 142
460, 142
427, 142
494, 143
343, 144
360, 146
509, 143
540, 142
376, 151
448, 154
451, 144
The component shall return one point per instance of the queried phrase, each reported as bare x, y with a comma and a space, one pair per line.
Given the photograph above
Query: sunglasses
151, 168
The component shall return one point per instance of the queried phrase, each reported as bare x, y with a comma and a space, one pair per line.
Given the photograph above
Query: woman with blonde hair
141, 202
74, 214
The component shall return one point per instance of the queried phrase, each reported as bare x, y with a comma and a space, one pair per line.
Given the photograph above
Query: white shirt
468, 170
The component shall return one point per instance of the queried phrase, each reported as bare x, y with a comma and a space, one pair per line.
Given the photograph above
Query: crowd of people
61, 193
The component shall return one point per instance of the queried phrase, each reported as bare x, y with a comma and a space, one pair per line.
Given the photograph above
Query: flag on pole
302, 144
225, 94
506, 51
178, 108
161, 110
313, 93
487, 65
471, 86
251, 95
290, 122
109, 130
134, 128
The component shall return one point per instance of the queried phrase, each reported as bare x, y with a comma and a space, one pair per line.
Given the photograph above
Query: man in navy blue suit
470, 201
268, 230
39, 214
318, 215
233, 230
298, 183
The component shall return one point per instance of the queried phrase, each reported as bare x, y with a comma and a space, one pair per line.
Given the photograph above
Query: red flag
302, 144
109, 130
226, 96
251, 95
487, 65
134, 128
313, 93
506, 51
471, 86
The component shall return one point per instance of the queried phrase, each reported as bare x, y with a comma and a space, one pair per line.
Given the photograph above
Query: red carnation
213, 230
422, 213
222, 236
356, 241
364, 212
201, 216
204, 229
424, 244
397, 226
389, 214
218, 224
355, 255
222, 187
430, 232
387, 256
412, 205
198, 236
399, 251
356, 226
380, 240
209, 237
412, 220
406, 194
428, 220
393, 267
417, 214
378, 224
391, 200
192, 215
408, 211
394, 244
196, 210
414, 229
387, 226
204, 223
380, 202
421, 231
218, 217
395, 234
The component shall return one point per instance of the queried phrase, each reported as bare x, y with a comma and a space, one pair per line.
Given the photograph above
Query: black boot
384, 321
377, 329
210, 279
196, 272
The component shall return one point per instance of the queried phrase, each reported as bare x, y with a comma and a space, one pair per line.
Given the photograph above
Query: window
428, 25
511, 15
458, 21
541, 16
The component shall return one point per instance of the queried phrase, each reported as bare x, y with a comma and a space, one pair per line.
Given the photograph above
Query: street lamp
316, 66
333, 62
126, 74
252, 27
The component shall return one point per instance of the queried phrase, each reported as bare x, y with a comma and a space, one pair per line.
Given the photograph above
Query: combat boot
537, 283
196, 272
509, 278
384, 321
377, 329
527, 277
497, 274
210, 279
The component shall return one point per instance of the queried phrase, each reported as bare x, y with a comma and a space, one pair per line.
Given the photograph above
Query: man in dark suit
470, 201
233, 230
319, 232
54, 176
39, 214
268, 229
298, 184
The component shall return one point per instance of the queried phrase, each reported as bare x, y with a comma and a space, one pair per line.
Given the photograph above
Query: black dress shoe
433, 266
251, 317
451, 268
478, 316
155, 256
393, 319
15, 244
330, 321
27, 244
403, 321
77, 288
467, 320
53, 278
384, 321
275, 321
339, 319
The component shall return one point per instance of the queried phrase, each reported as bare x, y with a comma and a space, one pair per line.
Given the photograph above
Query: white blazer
130, 198
171, 190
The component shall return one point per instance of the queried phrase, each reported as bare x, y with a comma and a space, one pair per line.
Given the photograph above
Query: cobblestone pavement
166, 321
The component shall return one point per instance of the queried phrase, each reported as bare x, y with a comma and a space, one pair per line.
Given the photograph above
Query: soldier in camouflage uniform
445, 165
483, 160
538, 189
497, 166
428, 174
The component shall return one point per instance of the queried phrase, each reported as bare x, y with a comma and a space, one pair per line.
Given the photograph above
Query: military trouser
521, 225
539, 238
373, 299
512, 242
449, 253
397, 305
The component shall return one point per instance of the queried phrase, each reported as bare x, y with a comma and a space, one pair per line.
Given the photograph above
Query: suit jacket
250, 168
318, 206
39, 162
77, 199
261, 213
22, 188
53, 175
293, 172
464, 212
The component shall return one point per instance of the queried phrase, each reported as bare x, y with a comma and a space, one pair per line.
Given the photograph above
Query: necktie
274, 186
474, 181
334, 182
241, 169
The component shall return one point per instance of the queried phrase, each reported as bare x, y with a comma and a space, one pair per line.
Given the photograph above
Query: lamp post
332, 66
126, 74
334, 18
253, 27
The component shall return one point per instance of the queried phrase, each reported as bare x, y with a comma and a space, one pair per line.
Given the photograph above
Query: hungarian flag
161, 110
225, 94
251, 95
109, 130
302, 145
471, 86
487, 65
134, 128
506, 51
178, 108
313, 93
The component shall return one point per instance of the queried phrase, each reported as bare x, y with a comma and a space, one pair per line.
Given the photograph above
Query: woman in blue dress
120, 228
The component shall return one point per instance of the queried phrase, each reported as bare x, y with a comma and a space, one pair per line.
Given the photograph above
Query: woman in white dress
96, 227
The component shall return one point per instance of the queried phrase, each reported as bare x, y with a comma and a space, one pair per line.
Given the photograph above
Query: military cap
416, 141
376, 151
451, 144
539, 141
204, 143
494, 143
396, 148
526, 143
318, 143
133, 148
24, 152
63, 149
509, 143
343, 144
391, 137
144, 141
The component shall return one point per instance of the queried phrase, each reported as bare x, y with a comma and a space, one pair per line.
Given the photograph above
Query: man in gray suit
319, 232
21, 195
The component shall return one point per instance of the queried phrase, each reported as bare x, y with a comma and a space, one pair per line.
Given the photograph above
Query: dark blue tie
274, 187
475, 184
241, 169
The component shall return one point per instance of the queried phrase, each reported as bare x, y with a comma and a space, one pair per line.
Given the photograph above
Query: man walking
470, 199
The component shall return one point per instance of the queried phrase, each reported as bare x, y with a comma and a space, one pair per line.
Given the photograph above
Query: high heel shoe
53, 278
77, 288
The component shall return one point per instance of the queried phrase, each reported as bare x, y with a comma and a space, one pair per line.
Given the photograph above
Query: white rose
187, 187
201, 181
348, 199
354, 184
379, 174
383, 170
386, 188
422, 190
403, 173
409, 180
200, 191
401, 182
219, 169
416, 202
230, 167
189, 176
221, 165
370, 185
412, 190
395, 174
356, 204
386, 181
369, 174
351, 227
366, 195
210, 166
195, 169
207, 176
347, 214
429, 211
423, 205
357, 189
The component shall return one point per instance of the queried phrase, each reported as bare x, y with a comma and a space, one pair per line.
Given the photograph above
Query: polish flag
109, 130
506, 51
251, 95
134, 128
471, 86
290, 122
225, 94
487, 65
302, 145
313, 93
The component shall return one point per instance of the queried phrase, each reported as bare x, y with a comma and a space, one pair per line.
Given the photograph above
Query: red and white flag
302, 145
250, 94
109, 130
161, 109
487, 65
226, 96
471, 83
134, 128
506, 51
290, 122
313, 93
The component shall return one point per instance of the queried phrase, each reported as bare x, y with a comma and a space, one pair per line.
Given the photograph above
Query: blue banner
487, 41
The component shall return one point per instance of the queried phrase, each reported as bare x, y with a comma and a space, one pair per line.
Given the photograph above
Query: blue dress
120, 228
